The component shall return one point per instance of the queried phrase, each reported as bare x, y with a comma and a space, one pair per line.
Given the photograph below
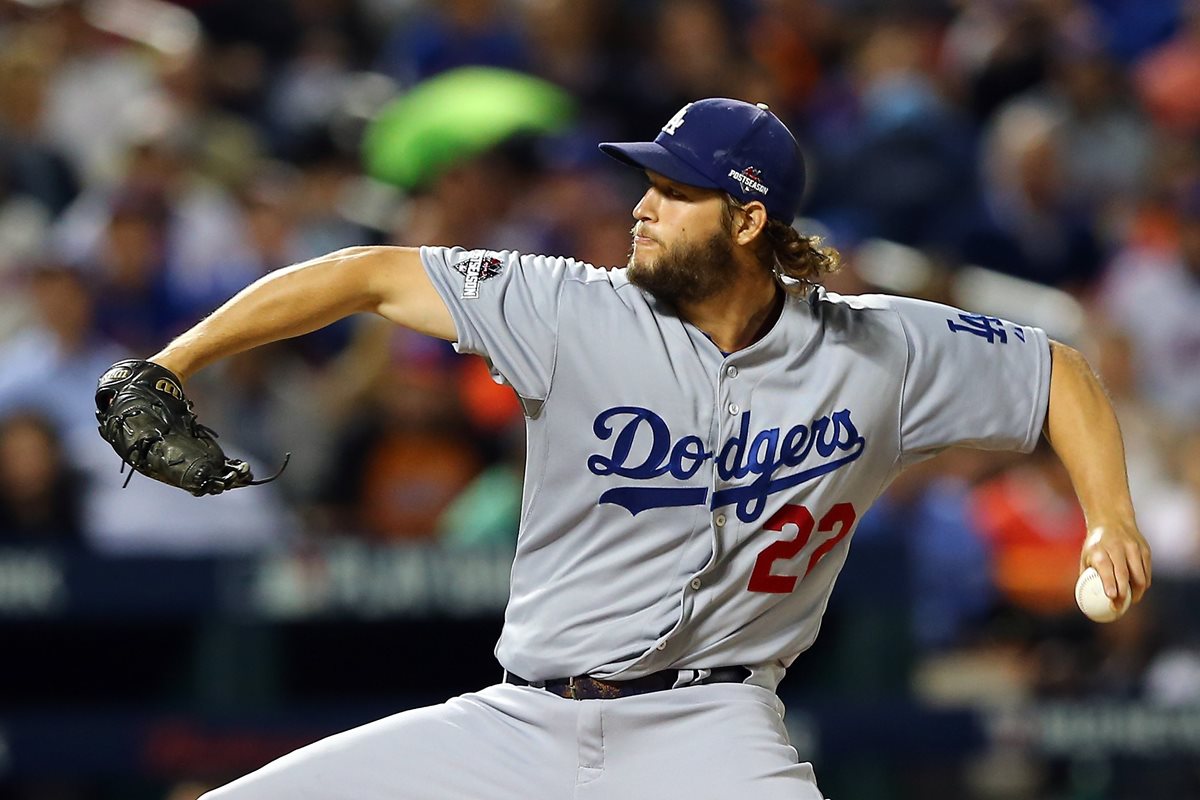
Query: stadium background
1038, 159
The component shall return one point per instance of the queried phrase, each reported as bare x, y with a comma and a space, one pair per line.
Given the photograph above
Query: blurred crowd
156, 157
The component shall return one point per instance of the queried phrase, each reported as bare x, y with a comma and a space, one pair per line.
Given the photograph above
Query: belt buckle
571, 688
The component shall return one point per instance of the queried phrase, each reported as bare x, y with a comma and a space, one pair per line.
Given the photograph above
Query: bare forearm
295, 301
1082, 427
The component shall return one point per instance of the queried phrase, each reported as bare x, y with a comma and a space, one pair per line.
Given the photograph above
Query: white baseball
1092, 601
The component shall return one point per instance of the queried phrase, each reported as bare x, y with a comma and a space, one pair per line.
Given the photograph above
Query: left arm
1082, 428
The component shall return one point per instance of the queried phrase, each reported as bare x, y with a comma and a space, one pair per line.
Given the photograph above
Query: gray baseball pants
709, 742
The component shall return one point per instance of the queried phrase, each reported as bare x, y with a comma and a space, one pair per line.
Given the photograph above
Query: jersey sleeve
505, 308
970, 379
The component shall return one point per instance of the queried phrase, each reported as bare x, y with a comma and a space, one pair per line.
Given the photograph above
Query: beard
688, 272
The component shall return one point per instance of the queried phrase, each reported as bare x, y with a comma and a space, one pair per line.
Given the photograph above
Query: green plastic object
456, 115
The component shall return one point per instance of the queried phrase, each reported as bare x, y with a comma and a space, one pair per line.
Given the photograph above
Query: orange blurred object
1035, 534
488, 405
411, 478
1167, 82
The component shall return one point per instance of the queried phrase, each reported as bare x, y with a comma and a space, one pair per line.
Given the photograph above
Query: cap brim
656, 158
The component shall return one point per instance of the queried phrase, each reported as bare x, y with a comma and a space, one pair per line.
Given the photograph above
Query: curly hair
801, 260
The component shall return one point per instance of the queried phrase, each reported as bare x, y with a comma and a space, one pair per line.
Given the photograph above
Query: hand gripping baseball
145, 416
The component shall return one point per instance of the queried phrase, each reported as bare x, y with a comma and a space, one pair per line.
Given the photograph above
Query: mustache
636, 230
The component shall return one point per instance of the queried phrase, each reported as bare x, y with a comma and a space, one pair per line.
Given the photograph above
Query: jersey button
695, 583
731, 371
720, 520
661, 646
734, 409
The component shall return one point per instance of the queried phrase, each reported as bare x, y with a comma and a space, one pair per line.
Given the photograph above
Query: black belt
584, 687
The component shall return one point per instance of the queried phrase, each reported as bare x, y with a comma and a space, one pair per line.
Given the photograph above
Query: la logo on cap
674, 122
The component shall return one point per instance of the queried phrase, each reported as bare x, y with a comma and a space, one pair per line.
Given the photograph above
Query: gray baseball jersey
687, 508
683, 509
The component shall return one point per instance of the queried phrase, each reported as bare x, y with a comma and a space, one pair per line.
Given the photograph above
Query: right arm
389, 281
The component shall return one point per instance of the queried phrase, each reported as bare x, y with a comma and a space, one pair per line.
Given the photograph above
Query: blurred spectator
581, 211
794, 41
218, 145
1129, 29
30, 166
402, 465
1155, 298
1167, 76
457, 33
420, 458
309, 90
998, 49
1106, 142
1034, 528
693, 54
1030, 225
470, 204
266, 234
36, 180
1173, 679
97, 79
134, 304
571, 43
1170, 514
269, 211
185, 232
40, 493
929, 510
898, 155
53, 365
289, 215
326, 180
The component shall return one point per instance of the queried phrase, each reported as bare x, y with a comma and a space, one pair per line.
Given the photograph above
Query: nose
644, 210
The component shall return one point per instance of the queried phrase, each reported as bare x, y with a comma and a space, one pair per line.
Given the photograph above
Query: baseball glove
145, 416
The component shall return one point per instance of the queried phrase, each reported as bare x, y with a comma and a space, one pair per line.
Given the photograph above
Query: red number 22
840, 517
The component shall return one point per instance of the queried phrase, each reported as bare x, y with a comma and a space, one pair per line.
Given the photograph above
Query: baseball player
705, 428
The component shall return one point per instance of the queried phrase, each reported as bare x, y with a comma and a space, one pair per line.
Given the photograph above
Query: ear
749, 222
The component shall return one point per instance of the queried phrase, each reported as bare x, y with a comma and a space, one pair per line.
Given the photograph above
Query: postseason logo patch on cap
751, 179
476, 267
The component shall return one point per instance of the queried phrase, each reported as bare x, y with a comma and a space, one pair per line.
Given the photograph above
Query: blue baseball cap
718, 143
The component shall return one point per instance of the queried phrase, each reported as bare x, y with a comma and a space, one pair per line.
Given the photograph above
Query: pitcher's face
682, 247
